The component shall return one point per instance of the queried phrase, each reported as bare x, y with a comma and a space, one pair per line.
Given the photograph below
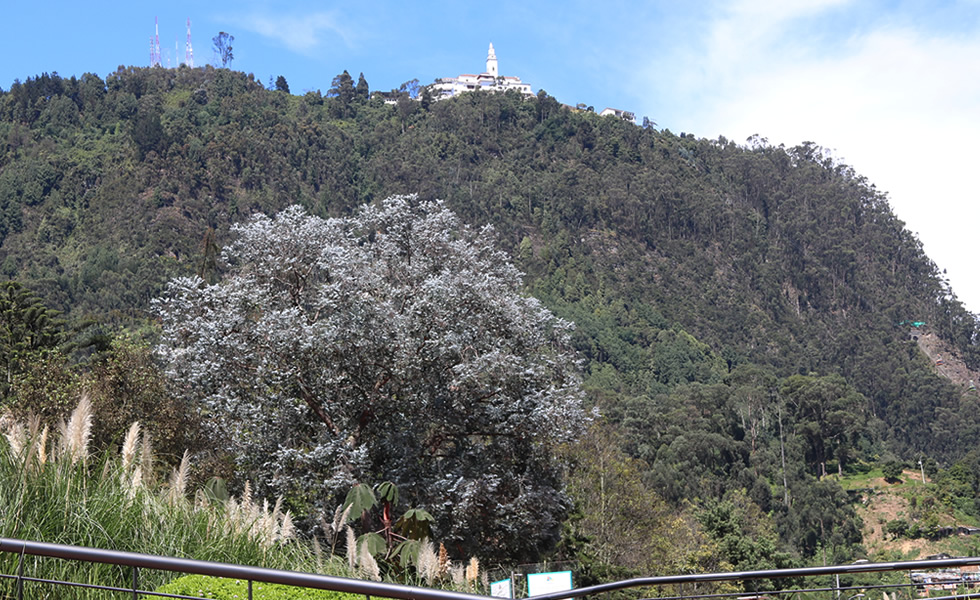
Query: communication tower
155, 45
189, 50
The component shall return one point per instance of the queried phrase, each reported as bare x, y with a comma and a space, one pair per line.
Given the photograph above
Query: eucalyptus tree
28, 329
393, 344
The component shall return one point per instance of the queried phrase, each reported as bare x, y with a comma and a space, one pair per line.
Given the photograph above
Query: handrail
405, 592
863, 567
232, 571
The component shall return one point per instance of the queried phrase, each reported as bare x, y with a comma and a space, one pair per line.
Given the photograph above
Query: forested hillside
742, 310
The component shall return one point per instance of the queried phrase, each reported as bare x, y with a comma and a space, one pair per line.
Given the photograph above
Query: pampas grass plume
78, 431
287, 530
351, 549
427, 564
17, 439
135, 482
369, 566
179, 478
130, 443
146, 461
42, 446
457, 574
444, 563
472, 571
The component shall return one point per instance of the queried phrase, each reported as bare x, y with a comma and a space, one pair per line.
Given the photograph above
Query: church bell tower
492, 62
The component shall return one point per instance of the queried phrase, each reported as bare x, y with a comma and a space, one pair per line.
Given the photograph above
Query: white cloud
299, 33
899, 103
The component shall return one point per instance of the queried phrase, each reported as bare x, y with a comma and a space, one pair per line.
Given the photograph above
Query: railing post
249, 589
135, 580
20, 575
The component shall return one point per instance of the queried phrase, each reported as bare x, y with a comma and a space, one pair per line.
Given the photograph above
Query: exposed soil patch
946, 360
882, 503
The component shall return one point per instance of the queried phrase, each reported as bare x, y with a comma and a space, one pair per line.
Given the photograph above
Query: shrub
897, 528
892, 471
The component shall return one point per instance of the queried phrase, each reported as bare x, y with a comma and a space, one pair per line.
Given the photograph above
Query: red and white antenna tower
189, 50
155, 61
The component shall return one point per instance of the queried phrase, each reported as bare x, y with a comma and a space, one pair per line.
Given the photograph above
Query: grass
52, 490
231, 589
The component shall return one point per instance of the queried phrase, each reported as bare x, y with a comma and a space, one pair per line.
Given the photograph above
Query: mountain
733, 302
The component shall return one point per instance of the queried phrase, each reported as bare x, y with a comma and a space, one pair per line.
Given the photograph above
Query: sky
891, 88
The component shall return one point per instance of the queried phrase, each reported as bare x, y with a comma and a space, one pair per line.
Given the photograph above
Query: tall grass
53, 490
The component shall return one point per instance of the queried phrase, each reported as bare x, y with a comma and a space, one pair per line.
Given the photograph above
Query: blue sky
890, 87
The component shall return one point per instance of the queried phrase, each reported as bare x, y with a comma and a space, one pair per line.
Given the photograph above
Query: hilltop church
488, 81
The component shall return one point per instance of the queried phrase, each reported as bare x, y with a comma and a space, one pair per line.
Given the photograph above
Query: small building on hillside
619, 114
488, 81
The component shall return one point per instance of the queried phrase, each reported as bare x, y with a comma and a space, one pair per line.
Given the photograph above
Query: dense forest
741, 310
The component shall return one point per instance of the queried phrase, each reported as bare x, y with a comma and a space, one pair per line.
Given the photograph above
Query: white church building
488, 81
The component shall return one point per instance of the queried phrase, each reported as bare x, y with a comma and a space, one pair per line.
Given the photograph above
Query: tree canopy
394, 344
222, 47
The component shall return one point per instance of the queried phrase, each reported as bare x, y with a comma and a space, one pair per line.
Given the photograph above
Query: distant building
944, 579
488, 81
621, 114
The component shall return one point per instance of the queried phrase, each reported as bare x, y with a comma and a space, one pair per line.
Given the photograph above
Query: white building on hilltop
488, 81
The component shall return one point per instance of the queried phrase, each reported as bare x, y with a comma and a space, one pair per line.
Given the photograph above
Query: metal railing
832, 591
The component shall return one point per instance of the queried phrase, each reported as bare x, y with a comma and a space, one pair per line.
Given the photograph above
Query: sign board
501, 589
546, 583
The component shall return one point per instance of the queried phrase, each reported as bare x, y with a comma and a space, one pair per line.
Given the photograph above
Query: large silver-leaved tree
394, 344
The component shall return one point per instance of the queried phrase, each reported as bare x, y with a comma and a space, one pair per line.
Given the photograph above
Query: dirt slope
946, 361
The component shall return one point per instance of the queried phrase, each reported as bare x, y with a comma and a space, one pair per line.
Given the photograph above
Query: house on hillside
620, 114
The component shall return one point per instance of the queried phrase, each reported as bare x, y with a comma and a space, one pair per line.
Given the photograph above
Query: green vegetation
54, 489
231, 589
736, 306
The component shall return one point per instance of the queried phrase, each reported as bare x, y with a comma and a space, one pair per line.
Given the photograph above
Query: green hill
739, 307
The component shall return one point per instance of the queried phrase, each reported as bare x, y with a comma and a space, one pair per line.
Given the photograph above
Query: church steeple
492, 62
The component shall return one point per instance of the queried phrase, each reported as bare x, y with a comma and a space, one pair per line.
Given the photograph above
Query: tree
28, 330
222, 47
830, 416
362, 92
147, 132
126, 385
342, 88
410, 87
621, 526
821, 520
892, 471
425, 98
281, 85
393, 345
744, 534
